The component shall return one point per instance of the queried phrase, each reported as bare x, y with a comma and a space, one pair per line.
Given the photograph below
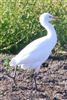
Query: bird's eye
50, 16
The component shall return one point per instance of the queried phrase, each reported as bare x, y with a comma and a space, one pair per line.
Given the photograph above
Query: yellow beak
55, 17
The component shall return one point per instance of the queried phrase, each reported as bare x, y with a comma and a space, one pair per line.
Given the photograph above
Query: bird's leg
34, 77
14, 78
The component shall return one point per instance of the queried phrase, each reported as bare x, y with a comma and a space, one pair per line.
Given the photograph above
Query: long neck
51, 33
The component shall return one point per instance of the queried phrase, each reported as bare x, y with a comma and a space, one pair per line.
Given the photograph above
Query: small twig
8, 47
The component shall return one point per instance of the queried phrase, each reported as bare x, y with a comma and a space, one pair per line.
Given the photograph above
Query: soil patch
51, 81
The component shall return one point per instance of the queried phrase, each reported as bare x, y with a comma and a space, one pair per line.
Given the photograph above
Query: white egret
38, 51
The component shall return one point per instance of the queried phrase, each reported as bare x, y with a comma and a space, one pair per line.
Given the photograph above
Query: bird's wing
36, 50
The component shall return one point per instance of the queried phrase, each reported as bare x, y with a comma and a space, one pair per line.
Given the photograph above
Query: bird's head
46, 17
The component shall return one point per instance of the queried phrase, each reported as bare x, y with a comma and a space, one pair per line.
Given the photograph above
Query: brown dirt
51, 81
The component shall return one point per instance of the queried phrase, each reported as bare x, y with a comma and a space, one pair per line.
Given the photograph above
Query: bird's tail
12, 62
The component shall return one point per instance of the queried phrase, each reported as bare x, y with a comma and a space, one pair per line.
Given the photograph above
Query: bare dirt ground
51, 81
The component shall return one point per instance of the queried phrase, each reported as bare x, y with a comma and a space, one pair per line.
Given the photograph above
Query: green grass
19, 22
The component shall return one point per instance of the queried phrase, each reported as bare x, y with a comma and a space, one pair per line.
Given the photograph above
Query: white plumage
38, 51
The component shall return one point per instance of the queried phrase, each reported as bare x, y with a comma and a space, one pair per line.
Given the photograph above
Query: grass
19, 22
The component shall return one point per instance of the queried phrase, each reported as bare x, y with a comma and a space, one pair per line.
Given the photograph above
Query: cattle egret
38, 51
